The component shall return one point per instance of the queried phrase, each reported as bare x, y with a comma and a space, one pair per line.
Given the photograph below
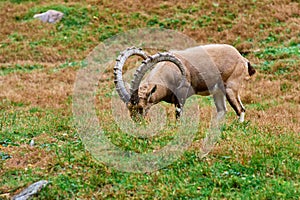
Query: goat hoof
242, 117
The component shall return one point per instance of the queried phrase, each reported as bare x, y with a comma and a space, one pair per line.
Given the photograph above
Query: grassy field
257, 159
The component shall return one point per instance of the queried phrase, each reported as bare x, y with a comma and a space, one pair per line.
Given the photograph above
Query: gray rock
51, 16
31, 190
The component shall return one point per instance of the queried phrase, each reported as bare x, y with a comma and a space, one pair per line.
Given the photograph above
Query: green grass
4, 70
271, 172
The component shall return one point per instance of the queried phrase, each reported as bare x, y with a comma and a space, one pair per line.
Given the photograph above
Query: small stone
31, 143
51, 16
31, 190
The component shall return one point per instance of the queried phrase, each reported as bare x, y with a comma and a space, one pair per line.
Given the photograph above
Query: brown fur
206, 67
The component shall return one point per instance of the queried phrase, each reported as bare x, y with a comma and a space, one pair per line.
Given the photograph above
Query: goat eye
140, 110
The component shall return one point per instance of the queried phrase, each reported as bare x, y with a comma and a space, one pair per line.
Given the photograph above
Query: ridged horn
149, 64
118, 70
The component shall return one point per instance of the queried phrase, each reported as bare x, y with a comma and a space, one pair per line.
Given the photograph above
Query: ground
257, 159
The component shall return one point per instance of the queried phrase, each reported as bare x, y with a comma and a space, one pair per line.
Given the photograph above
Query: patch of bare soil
25, 156
39, 88
278, 108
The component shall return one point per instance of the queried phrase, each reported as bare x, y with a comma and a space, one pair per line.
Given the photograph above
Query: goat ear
153, 89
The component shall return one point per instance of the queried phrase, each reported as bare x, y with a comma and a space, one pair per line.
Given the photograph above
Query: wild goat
216, 69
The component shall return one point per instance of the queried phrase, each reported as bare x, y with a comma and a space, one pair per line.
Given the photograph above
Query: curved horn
148, 64
118, 70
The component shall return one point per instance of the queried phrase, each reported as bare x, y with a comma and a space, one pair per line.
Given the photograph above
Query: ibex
216, 69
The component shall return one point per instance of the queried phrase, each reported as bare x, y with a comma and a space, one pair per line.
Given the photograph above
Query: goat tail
251, 70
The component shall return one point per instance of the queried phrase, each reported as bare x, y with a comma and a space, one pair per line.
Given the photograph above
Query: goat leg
219, 100
235, 102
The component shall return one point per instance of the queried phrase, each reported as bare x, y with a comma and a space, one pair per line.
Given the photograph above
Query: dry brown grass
26, 157
231, 23
45, 89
